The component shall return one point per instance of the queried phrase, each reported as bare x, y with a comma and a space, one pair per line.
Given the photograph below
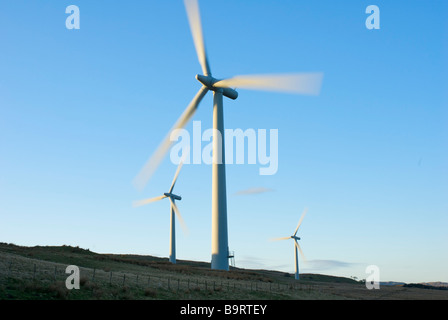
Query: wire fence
48, 272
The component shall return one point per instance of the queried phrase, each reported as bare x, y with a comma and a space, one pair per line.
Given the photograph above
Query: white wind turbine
296, 245
173, 210
302, 83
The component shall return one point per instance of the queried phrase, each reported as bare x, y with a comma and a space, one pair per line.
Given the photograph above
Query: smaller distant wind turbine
173, 209
296, 244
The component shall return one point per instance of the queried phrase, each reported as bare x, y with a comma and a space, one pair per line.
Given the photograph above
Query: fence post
93, 276
110, 278
124, 278
34, 272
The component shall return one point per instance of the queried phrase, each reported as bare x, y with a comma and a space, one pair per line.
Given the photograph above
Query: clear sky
82, 110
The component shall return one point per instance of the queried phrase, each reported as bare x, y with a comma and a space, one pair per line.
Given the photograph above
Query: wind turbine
296, 245
302, 83
173, 210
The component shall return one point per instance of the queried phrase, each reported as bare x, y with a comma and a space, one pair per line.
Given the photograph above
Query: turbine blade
181, 220
151, 165
146, 201
301, 83
278, 239
177, 174
300, 250
194, 18
300, 220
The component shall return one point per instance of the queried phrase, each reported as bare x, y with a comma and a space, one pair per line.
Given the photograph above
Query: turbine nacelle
295, 238
209, 82
172, 196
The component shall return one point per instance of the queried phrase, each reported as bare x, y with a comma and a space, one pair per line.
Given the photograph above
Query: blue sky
82, 110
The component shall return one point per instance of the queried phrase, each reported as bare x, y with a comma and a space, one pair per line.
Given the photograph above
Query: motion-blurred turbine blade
194, 19
300, 220
151, 165
146, 201
301, 83
300, 250
278, 239
181, 220
175, 176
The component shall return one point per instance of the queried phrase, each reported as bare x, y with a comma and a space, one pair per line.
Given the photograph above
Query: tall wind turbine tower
301, 83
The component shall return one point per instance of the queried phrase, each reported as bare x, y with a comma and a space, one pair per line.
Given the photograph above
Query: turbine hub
209, 82
173, 196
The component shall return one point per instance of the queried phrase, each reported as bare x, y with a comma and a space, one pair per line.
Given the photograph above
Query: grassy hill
39, 273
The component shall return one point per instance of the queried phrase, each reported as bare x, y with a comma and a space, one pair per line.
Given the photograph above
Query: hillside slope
39, 273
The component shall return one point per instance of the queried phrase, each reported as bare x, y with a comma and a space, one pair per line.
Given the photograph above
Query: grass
38, 273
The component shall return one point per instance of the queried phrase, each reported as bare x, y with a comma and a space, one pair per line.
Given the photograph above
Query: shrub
59, 290
150, 293
83, 281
